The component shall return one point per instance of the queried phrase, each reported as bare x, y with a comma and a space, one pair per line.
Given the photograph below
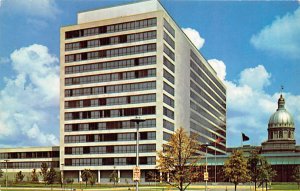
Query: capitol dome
281, 118
281, 123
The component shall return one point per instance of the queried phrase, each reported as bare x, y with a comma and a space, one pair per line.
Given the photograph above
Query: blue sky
254, 46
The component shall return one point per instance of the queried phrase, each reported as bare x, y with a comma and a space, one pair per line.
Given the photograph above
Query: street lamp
206, 145
137, 120
62, 175
6, 177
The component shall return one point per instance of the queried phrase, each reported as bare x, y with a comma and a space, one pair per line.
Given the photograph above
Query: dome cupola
281, 123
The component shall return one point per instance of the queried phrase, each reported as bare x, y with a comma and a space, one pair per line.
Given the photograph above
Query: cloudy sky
254, 46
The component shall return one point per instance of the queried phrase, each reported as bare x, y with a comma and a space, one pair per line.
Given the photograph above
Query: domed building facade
281, 130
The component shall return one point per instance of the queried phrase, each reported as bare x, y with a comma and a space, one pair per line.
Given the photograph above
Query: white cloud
194, 36
39, 8
29, 101
219, 67
249, 106
257, 78
281, 36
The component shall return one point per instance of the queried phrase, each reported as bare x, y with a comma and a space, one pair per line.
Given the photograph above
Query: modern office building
126, 61
26, 159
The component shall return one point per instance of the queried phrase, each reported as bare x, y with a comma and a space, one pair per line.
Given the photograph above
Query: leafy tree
59, 179
253, 166
51, 176
19, 176
34, 176
1, 173
296, 175
44, 171
235, 168
113, 177
266, 173
92, 179
179, 159
86, 175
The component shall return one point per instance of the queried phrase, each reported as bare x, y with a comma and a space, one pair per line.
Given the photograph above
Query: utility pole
137, 120
6, 177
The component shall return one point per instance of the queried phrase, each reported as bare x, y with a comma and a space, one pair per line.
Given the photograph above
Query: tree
44, 171
86, 175
253, 166
235, 168
19, 176
51, 176
179, 160
34, 176
1, 173
296, 175
92, 179
113, 177
266, 173
59, 179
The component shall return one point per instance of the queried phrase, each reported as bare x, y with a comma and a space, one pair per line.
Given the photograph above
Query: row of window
111, 53
169, 65
169, 76
200, 129
111, 77
169, 28
110, 113
204, 104
203, 67
110, 149
206, 79
24, 155
112, 28
110, 89
168, 113
111, 101
111, 40
204, 94
167, 136
169, 40
205, 114
28, 165
111, 65
168, 125
109, 125
169, 52
110, 161
213, 94
109, 137
206, 123
169, 89
168, 100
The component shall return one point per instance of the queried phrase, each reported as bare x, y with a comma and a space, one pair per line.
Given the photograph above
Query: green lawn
124, 187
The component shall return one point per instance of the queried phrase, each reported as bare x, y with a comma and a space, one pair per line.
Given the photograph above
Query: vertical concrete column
79, 173
168, 177
99, 176
119, 176
160, 177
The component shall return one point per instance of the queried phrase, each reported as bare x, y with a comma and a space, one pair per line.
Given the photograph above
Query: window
111, 28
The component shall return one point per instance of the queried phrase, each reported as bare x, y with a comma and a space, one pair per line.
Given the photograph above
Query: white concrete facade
79, 35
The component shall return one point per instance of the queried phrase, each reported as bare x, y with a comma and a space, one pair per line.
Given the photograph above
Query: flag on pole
245, 137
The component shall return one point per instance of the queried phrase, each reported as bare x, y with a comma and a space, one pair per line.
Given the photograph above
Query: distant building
281, 130
280, 149
25, 159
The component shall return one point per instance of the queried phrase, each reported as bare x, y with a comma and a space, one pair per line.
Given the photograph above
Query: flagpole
242, 140
216, 160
